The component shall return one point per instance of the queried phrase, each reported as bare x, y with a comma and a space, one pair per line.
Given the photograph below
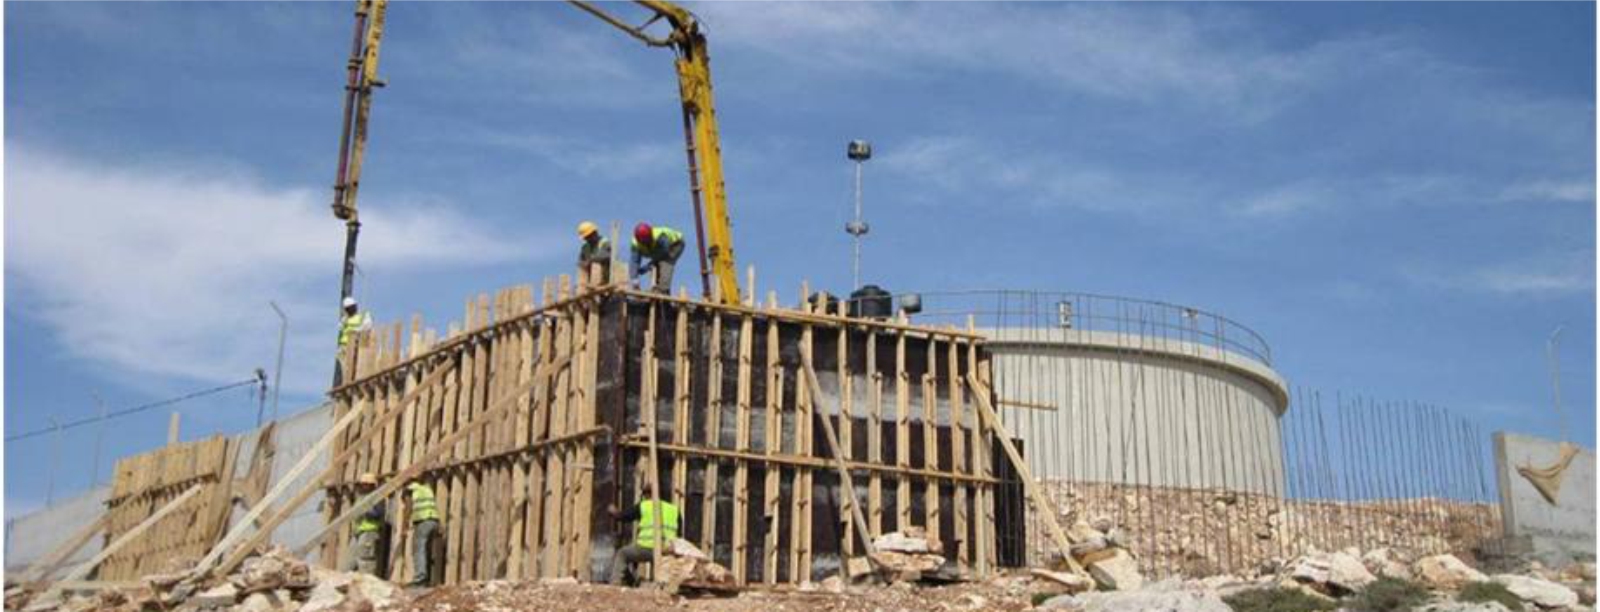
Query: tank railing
1042, 311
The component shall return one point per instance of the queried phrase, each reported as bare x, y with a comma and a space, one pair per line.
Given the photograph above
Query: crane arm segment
703, 142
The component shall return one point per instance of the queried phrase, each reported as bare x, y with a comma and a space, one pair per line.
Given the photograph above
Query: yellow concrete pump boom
706, 190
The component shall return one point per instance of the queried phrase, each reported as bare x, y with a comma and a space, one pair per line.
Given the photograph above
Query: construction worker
641, 550
424, 527
354, 322
595, 250
369, 530
661, 246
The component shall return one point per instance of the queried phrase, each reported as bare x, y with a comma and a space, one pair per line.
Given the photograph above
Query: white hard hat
349, 302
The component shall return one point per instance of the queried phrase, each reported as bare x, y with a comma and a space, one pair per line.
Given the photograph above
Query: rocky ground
275, 582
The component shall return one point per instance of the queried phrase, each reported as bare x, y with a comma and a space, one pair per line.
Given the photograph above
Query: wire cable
135, 409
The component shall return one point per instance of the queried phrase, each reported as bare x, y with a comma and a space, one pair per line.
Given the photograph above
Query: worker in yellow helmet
661, 246
594, 254
369, 530
649, 536
424, 528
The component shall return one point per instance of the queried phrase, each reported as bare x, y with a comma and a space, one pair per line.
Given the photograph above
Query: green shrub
1485, 592
1389, 594
1277, 599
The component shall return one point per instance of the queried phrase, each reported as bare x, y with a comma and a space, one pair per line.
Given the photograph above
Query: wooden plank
846, 426
647, 405
874, 435
801, 518
682, 369
522, 435
534, 538
471, 532
587, 360
930, 440
335, 466
554, 563
132, 535
847, 484
980, 392
398, 479
773, 440
708, 507
456, 565
958, 449
796, 461
245, 523
172, 429
983, 517
902, 432
741, 474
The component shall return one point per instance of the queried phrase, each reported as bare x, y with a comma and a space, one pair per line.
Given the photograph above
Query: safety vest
368, 525
424, 506
656, 234
647, 523
591, 252
350, 326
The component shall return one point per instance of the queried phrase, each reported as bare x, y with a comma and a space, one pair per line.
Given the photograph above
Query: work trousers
665, 266
422, 534
622, 563
365, 559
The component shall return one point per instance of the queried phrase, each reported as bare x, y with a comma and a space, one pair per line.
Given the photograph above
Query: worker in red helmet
656, 248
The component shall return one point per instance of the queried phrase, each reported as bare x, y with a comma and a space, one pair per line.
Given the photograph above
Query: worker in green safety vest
369, 529
424, 528
657, 248
352, 323
649, 536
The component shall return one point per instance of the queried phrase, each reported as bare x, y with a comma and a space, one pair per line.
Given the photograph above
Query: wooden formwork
556, 398
144, 484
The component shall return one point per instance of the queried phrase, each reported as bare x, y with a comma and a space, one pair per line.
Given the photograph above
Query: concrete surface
1556, 533
32, 536
1178, 404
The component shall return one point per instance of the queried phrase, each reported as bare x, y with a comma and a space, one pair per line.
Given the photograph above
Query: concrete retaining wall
1095, 406
1556, 533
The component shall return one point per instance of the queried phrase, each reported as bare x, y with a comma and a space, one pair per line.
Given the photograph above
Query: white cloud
168, 270
1538, 275
1549, 190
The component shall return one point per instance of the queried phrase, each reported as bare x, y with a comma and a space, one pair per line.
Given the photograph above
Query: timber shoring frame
738, 443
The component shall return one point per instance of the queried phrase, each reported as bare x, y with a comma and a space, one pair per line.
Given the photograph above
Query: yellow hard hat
586, 228
368, 478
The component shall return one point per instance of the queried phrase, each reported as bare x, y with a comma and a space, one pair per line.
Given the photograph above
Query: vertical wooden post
647, 404
958, 450
902, 433
845, 429
805, 402
874, 434
172, 429
930, 440
708, 508
741, 475
772, 513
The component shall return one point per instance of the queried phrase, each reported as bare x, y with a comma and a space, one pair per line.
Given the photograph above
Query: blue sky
1399, 197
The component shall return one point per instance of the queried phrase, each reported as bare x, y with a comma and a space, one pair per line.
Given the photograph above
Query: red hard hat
641, 232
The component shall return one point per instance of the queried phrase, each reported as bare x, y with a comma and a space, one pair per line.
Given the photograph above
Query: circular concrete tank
1134, 392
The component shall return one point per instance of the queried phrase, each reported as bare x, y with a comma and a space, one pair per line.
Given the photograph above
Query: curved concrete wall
1097, 406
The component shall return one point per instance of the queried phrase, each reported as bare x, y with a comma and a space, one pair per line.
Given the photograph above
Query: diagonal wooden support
859, 520
230, 541
981, 393
398, 479
80, 572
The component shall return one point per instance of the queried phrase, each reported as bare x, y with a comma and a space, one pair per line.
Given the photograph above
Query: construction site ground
556, 597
